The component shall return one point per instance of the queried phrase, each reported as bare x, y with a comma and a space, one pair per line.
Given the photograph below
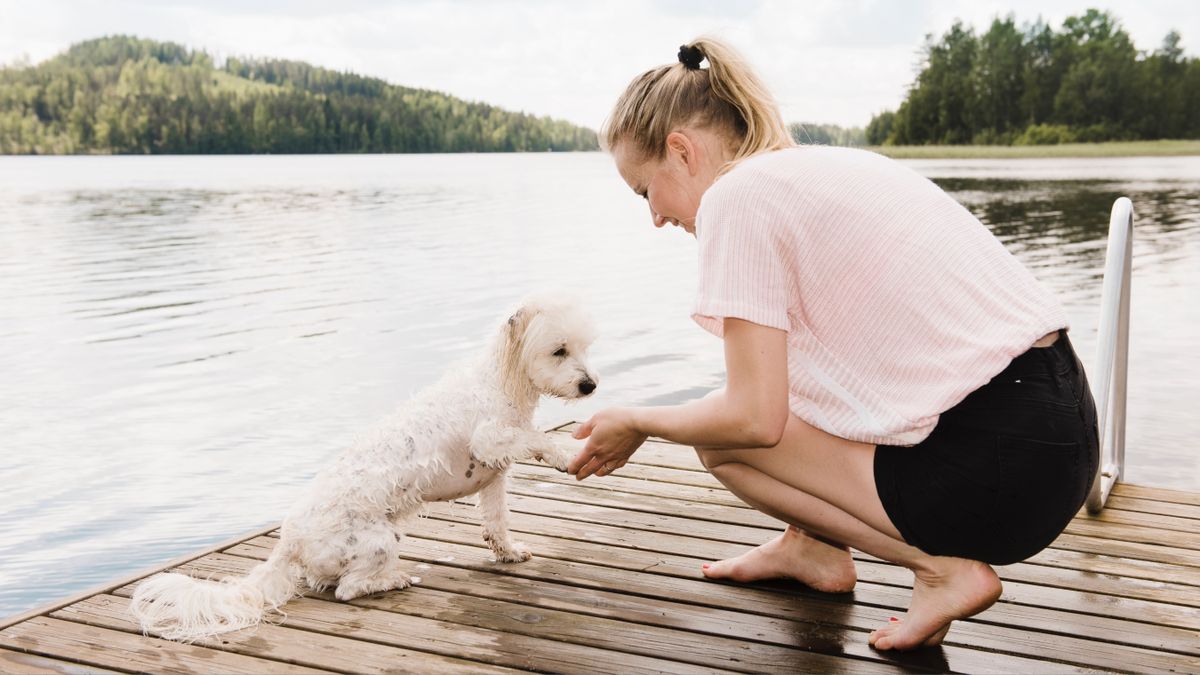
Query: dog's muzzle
586, 387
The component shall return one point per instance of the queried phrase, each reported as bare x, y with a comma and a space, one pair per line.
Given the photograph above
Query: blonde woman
896, 381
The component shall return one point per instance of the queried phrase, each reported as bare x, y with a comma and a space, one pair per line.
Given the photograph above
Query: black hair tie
690, 57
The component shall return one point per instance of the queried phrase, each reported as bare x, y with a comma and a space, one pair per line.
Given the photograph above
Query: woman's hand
612, 439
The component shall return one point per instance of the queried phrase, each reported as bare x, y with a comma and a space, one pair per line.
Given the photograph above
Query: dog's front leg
493, 504
497, 445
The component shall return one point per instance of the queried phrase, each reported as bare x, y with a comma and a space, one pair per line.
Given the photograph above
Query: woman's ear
680, 145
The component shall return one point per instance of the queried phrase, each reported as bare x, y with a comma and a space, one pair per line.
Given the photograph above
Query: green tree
1085, 82
127, 95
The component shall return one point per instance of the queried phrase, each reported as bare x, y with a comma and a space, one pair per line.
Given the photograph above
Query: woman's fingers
583, 430
595, 466
576, 465
588, 468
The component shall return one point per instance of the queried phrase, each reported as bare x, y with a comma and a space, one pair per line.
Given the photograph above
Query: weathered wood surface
615, 586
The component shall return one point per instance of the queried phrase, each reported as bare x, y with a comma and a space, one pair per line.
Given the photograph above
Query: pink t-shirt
896, 300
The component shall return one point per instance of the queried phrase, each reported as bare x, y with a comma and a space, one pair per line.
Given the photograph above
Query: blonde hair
726, 97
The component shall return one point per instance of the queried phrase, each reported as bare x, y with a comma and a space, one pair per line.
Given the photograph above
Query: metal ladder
1112, 353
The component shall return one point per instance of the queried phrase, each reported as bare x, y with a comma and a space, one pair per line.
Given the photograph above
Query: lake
185, 341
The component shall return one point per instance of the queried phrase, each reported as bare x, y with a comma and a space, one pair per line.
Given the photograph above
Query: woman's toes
880, 633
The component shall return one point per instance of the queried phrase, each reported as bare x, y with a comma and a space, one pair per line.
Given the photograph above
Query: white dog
456, 438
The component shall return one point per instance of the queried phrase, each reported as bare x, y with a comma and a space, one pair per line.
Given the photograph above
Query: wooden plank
635, 617
1156, 494
286, 645
108, 586
1182, 558
124, 651
31, 664
1155, 521
679, 536
1116, 570
1120, 503
514, 616
1189, 541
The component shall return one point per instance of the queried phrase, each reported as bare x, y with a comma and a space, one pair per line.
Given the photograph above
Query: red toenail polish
704, 566
893, 619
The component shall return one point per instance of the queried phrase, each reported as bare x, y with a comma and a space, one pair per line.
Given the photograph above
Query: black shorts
1005, 470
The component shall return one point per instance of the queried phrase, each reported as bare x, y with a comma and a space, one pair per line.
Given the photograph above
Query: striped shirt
897, 302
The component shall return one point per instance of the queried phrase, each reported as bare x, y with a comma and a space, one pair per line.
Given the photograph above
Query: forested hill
1035, 85
127, 95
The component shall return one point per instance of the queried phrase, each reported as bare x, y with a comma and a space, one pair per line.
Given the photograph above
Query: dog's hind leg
493, 504
373, 565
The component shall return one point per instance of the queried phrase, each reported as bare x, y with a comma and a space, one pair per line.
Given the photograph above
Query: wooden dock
615, 587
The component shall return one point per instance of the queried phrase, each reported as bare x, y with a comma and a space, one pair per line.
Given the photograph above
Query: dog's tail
179, 607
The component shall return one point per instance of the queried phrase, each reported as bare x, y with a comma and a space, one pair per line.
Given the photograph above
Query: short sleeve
743, 274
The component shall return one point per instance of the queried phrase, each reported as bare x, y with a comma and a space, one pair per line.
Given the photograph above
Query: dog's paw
558, 462
513, 554
554, 458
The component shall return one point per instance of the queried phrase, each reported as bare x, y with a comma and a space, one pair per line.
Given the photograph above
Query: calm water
184, 341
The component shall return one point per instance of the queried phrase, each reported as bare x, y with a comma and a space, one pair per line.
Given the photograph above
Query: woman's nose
659, 221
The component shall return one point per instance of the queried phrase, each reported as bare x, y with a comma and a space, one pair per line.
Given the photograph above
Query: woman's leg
825, 487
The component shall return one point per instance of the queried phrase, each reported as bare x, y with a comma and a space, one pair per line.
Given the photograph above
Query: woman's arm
751, 411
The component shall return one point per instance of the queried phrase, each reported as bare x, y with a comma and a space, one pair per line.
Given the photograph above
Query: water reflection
185, 340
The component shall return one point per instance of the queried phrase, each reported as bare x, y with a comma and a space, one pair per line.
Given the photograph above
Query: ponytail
727, 97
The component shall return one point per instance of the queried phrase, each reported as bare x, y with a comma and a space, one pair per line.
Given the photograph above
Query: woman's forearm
708, 422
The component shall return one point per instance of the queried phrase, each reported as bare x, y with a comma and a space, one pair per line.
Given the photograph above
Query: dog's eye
562, 351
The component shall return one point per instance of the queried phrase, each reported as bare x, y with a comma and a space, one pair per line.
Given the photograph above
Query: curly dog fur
456, 438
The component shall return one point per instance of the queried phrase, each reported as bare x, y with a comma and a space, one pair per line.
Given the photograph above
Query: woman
896, 381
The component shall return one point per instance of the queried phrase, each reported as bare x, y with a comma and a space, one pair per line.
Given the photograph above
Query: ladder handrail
1112, 353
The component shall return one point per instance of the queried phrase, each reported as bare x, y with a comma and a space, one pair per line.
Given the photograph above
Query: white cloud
836, 61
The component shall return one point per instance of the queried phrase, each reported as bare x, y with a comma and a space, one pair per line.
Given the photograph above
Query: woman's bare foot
792, 555
953, 588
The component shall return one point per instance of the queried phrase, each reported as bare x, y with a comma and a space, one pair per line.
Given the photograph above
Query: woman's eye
562, 351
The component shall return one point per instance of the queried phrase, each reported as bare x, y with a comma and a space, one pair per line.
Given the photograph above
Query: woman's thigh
832, 469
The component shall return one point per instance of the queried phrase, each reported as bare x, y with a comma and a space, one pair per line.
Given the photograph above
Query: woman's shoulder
805, 162
804, 169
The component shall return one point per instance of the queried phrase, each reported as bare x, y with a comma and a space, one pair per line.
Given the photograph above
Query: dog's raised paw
555, 460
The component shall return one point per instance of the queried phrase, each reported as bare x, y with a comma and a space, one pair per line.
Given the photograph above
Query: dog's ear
517, 319
512, 346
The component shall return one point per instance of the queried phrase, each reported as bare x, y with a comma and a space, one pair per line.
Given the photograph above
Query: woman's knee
709, 457
713, 458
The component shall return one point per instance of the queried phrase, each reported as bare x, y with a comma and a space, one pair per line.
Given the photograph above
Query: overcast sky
826, 61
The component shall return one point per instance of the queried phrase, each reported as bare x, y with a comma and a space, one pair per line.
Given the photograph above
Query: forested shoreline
1029, 85
1033, 85
124, 95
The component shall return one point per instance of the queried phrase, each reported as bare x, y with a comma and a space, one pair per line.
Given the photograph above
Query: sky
826, 61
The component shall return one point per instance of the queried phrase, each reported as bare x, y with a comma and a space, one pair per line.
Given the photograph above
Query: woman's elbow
767, 429
767, 437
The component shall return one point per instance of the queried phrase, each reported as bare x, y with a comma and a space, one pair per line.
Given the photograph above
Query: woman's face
670, 189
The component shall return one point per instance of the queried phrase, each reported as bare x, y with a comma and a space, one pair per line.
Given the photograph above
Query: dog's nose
586, 387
